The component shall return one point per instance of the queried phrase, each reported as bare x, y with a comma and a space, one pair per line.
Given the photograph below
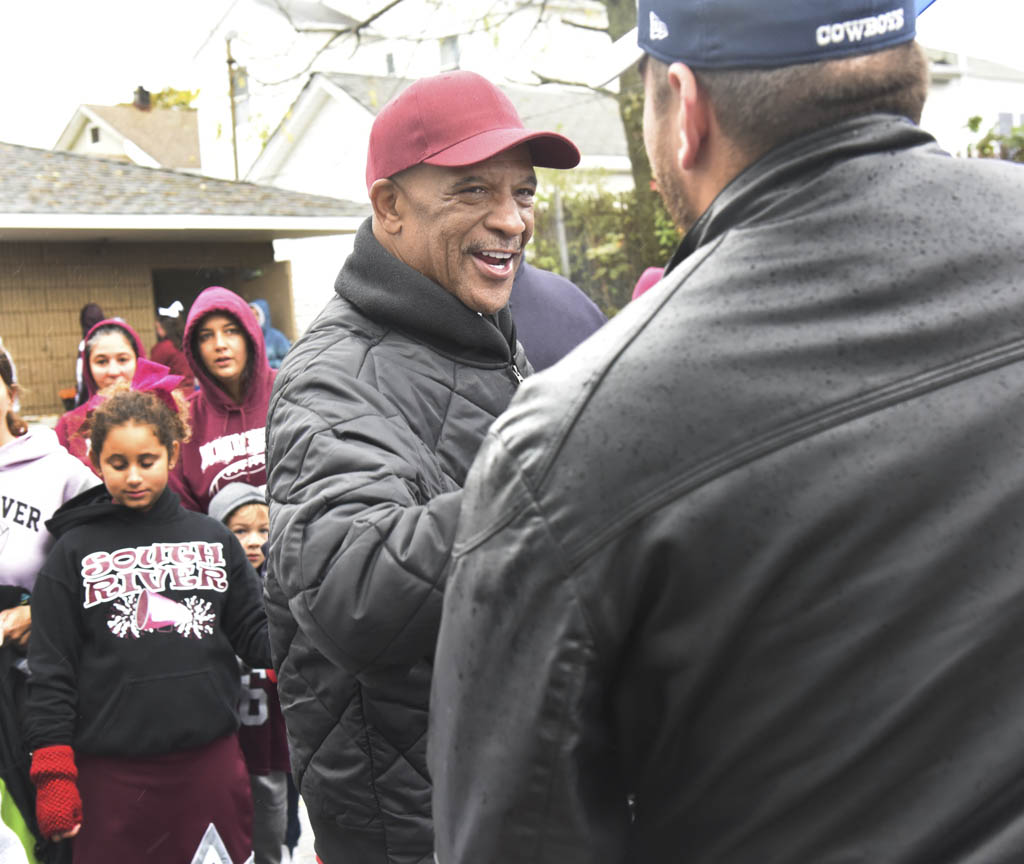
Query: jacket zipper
515, 373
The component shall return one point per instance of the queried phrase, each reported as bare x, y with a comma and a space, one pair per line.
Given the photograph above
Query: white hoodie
37, 475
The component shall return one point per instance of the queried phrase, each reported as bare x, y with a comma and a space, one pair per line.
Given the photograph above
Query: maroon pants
158, 809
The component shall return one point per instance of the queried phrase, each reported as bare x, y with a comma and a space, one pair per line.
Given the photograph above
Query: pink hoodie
228, 441
70, 422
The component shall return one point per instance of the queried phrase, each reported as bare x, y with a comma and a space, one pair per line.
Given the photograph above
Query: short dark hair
758, 109
174, 328
140, 407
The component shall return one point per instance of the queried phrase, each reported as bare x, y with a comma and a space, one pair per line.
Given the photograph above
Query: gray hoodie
37, 475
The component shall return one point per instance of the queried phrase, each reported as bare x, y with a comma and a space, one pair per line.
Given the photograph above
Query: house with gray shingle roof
77, 229
135, 132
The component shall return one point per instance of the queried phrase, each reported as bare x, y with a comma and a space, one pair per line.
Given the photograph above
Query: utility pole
563, 245
231, 98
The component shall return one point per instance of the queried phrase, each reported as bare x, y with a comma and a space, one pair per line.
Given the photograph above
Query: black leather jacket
375, 416
754, 556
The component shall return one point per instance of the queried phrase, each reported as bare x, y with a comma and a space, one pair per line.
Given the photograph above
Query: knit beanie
233, 496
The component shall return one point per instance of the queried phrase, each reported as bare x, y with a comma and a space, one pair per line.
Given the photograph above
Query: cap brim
614, 60
547, 149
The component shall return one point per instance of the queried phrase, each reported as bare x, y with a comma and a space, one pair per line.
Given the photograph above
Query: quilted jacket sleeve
359, 548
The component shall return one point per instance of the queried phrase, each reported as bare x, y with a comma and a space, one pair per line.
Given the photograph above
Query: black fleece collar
393, 294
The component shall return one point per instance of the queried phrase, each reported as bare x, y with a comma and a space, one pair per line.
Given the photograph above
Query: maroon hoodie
71, 422
228, 441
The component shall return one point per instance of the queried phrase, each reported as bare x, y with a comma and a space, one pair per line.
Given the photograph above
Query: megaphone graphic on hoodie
156, 612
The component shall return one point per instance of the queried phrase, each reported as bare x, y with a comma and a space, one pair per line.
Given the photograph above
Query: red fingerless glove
272, 675
58, 804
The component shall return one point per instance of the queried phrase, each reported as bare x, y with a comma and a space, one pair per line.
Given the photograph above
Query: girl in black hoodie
137, 617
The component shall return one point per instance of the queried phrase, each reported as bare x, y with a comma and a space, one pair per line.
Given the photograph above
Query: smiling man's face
466, 227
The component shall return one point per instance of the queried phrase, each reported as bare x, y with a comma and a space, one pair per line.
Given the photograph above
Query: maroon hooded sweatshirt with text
228, 442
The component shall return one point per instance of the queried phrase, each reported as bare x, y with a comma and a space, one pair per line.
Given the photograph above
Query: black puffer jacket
375, 418
755, 556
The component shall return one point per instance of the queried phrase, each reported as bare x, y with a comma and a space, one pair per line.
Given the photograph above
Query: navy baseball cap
757, 34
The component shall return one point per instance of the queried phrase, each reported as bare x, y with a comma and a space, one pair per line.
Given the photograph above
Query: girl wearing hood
139, 611
109, 354
224, 346
37, 476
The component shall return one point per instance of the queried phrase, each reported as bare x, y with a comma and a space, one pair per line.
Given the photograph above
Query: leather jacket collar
777, 173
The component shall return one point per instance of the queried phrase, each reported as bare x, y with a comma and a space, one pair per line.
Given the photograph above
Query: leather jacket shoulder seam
803, 428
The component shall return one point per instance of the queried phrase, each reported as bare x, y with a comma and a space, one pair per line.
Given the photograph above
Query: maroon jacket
165, 352
228, 441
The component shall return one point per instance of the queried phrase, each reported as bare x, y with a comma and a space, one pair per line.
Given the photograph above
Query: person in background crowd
277, 343
138, 614
741, 581
224, 346
374, 422
88, 317
648, 279
37, 476
243, 509
109, 354
294, 828
170, 327
552, 316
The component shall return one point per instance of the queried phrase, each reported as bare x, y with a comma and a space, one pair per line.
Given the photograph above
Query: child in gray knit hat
243, 508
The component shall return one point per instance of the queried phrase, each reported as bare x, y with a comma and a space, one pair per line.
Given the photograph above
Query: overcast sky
58, 54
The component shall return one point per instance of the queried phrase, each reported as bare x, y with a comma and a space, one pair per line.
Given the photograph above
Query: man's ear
694, 114
384, 198
174, 454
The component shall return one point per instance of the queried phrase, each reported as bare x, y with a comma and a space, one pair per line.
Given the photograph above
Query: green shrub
609, 235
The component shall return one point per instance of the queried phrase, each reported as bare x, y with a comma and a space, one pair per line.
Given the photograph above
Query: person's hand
16, 624
58, 803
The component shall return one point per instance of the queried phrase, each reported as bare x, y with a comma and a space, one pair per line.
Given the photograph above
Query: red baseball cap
458, 118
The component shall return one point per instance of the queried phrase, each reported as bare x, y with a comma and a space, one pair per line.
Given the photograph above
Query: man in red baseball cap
450, 176
378, 411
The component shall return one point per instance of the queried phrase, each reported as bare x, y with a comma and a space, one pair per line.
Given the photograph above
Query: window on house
391, 63
449, 53
94, 134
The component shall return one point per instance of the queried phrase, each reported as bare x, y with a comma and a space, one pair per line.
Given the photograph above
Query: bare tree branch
540, 17
336, 33
387, 8
546, 79
580, 26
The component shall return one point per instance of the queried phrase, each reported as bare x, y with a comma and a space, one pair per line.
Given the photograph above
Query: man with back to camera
378, 411
740, 582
